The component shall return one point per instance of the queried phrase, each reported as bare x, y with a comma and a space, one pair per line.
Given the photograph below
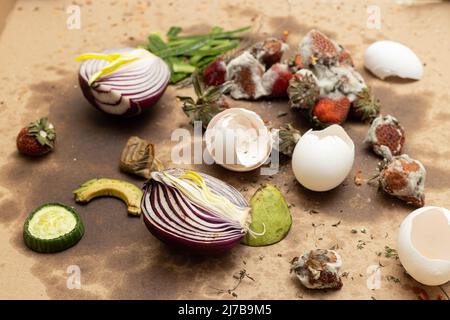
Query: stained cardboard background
118, 257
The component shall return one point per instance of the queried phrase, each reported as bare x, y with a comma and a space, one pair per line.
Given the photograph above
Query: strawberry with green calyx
366, 106
303, 90
210, 101
37, 138
287, 137
329, 111
402, 177
386, 131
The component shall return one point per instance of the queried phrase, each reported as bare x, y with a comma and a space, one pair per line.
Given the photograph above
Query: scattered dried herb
239, 277
361, 244
336, 224
359, 179
390, 253
391, 278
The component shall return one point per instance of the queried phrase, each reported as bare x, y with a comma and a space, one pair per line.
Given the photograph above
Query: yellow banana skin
104, 187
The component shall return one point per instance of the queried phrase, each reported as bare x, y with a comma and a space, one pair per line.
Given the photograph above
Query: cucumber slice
52, 227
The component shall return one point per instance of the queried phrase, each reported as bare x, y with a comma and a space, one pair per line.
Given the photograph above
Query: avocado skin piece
104, 187
271, 209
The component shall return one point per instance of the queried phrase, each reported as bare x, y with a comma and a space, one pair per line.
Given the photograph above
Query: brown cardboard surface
118, 257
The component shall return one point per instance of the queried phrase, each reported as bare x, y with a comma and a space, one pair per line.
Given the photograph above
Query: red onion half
194, 211
128, 90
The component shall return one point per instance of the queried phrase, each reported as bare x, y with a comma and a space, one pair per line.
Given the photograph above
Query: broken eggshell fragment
424, 245
238, 140
390, 58
322, 159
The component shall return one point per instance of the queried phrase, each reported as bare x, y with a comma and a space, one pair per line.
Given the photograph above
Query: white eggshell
238, 152
322, 159
431, 272
389, 58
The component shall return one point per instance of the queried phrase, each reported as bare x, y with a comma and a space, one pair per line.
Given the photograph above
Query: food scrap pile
201, 213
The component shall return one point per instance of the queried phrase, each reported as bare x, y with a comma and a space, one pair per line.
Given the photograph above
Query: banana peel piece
271, 218
104, 187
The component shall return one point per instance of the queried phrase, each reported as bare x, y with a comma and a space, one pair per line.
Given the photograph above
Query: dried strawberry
269, 51
386, 131
276, 80
37, 138
215, 73
330, 111
404, 178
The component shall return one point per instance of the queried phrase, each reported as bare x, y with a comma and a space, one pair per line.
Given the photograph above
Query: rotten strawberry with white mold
276, 80
246, 72
403, 177
36, 139
316, 47
386, 131
215, 73
269, 51
318, 269
303, 90
295, 63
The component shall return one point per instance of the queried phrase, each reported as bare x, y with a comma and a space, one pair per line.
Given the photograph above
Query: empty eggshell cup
322, 159
424, 245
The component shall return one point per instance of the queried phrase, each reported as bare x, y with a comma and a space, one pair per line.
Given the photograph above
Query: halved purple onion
175, 219
130, 89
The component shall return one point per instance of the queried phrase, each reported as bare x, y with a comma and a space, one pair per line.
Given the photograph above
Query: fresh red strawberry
345, 58
386, 131
276, 80
215, 73
37, 138
328, 111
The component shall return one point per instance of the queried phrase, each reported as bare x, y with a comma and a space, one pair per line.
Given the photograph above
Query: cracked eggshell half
322, 159
424, 245
389, 58
238, 140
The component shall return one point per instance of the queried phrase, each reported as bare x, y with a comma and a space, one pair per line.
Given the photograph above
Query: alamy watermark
73, 21
74, 277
